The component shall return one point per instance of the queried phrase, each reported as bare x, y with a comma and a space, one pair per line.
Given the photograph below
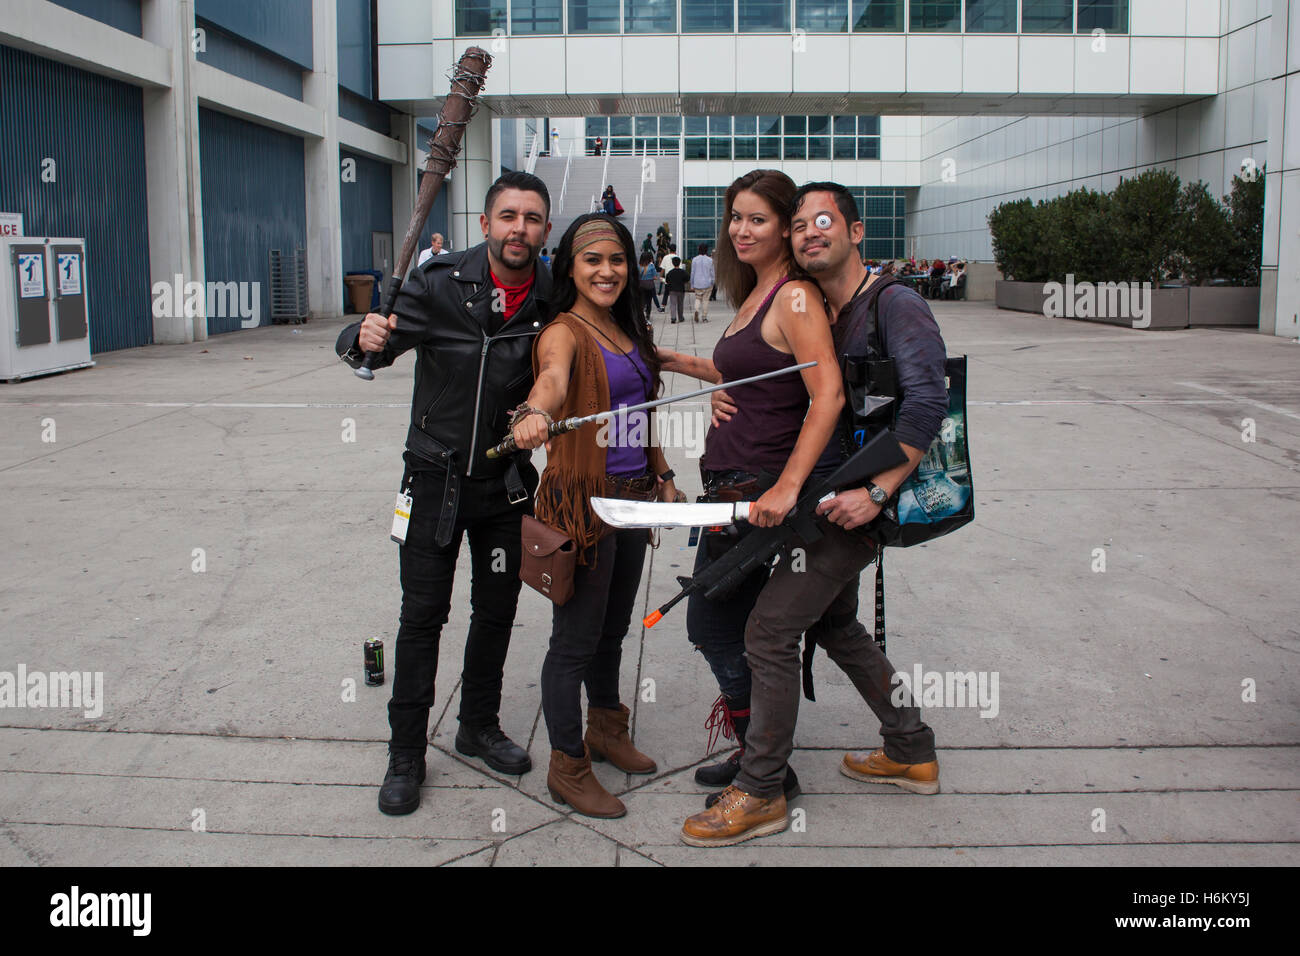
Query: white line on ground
1275, 409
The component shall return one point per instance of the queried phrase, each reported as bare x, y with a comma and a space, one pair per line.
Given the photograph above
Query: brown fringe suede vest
575, 465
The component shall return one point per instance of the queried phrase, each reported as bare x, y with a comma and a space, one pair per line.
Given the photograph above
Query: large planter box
981, 280
1170, 308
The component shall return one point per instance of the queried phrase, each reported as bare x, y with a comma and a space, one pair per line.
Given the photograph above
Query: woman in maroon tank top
784, 424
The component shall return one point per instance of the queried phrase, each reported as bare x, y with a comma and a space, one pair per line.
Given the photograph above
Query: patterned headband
592, 231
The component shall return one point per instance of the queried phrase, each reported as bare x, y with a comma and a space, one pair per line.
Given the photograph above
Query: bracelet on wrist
524, 410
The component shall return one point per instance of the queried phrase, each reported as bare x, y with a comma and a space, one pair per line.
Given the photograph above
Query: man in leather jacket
472, 317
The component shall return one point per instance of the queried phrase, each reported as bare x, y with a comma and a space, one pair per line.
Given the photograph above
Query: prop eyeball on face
823, 221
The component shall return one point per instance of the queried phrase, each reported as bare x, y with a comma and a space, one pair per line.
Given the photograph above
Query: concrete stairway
624, 174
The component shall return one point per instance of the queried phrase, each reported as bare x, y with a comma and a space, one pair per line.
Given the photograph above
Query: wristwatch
878, 494
668, 475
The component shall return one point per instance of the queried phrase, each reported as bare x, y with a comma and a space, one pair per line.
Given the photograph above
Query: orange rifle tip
652, 619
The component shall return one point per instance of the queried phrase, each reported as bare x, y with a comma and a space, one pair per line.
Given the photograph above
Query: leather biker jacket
467, 379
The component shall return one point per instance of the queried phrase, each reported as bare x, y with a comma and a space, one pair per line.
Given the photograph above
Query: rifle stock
723, 575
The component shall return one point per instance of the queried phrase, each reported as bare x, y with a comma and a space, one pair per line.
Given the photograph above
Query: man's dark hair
517, 180
704, 248
672, 247
843, 199
676, 261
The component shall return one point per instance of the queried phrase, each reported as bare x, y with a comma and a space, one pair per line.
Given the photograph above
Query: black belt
516, 493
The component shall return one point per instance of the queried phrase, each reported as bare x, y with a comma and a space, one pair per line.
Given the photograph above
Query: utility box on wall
43, 307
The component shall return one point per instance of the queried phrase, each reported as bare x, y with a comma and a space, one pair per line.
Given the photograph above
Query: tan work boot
735, 818
607, 739
875, 767
571, 781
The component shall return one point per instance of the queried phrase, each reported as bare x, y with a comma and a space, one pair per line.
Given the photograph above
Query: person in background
666, 260
544, 257
646, 279
702, 281
935, 285
675, 283
599, 146
648, 246
435, 249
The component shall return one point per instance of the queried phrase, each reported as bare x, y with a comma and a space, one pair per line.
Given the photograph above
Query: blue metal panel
230, 54
366, 206
282, 26
121, 14
92, 128
355, 47
368, 113
254, 189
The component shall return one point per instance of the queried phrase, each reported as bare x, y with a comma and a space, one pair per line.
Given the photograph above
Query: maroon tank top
762, 432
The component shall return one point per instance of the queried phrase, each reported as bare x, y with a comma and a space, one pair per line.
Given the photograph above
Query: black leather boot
399, 794
497, 750
730, 719
789, 786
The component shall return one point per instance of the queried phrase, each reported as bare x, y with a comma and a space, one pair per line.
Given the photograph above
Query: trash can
360, 290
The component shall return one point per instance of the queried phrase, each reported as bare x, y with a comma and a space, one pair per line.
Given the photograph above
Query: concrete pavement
201, 531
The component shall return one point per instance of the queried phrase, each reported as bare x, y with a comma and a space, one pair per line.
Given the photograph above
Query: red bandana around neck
515, 294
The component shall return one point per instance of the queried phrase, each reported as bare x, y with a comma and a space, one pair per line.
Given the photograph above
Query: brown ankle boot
571, 781
607, 739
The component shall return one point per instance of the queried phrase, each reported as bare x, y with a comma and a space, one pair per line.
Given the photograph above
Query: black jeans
587, 637
717, 628
427, 570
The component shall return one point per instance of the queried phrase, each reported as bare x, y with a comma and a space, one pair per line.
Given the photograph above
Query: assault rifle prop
723, 575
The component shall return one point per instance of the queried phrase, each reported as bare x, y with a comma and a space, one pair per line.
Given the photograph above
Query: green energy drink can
374, 662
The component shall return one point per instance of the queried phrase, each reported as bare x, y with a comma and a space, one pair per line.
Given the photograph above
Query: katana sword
507, 446
457, 109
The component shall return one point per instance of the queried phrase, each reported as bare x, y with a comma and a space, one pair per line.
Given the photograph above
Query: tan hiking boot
875, 767
735, 818
607, 739
571, 781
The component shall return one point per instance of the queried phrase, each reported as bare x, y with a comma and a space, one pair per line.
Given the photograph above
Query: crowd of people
572, 340
934, 280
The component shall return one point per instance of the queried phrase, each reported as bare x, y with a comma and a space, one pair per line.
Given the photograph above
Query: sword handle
507, 445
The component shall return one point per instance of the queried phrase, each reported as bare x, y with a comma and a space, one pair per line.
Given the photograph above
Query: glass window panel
868, 125
719, 147
764, 16
769, 126
885, 15
900, 205
719, 125
699, 206
708, 16
697, 125
641, 144
620, 126
796, 147
879, 248
1047, 16
480, 17
746, 125
668, 146
670, 125
650, 16
898, 227
769, 147
879, 228
819, 147
746, 147
593, 16
597, 125
879, 206
936, 15
846, 147
697, 147
846, 125
798, 125
822, 16
868, 147
621, 144
1108, 15
535, 16
646, 125
819, 125
990, 16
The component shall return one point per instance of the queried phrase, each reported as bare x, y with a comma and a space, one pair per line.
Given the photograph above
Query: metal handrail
533, 150
564, 187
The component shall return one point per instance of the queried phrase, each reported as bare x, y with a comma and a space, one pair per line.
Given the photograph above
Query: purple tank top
628, 434
762, 433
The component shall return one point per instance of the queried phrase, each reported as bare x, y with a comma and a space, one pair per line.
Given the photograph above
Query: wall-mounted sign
11, 224
69, 267
31, 275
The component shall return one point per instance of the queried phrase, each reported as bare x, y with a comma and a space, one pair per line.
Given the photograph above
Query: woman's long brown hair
737, 279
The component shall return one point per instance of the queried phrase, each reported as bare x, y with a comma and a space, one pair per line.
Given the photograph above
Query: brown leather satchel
548, 560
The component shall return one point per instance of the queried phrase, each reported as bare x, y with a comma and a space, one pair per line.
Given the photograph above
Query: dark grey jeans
791, 603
